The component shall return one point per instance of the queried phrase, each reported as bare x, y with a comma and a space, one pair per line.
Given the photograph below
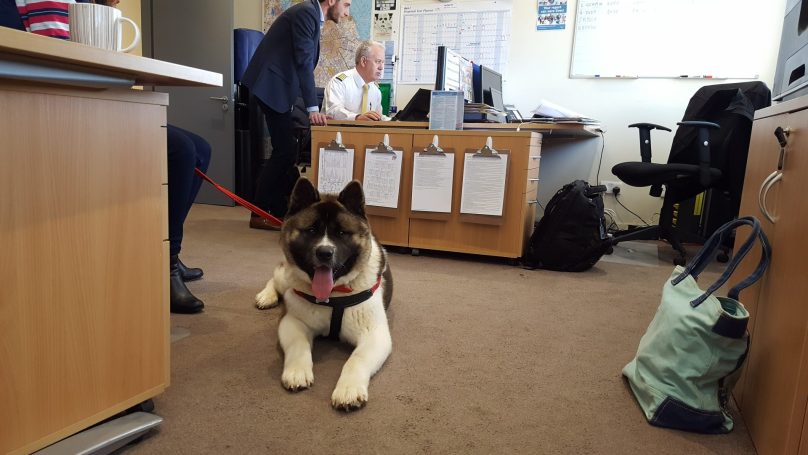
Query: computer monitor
417, 109
488, 79
454, 72
496, 100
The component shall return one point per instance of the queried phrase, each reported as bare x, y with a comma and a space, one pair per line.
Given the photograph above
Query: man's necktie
365, 98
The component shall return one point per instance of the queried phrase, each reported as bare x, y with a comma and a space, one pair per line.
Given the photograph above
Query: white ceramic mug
99, 26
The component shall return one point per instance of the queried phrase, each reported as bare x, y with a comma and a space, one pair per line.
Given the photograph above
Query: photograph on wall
382, 26
384, 5
552, 15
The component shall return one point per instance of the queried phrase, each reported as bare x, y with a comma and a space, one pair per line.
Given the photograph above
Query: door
198, 33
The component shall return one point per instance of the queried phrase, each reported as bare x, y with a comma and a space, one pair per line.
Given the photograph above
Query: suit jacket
282, 68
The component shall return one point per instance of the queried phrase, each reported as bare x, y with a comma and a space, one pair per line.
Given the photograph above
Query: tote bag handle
702, 259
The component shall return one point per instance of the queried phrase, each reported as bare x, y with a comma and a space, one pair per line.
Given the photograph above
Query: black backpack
571, 236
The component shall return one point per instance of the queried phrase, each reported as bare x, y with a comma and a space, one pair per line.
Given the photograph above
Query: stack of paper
560, 114
480, 112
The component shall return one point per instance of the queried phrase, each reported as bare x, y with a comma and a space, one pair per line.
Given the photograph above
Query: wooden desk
556, 129
494, 236
84, 311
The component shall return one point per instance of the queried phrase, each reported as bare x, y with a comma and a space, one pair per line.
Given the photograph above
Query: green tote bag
690, 356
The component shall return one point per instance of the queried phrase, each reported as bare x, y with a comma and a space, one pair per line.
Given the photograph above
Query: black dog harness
339, 304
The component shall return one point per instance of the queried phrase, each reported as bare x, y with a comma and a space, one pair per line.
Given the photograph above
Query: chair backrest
732, 106
245, 41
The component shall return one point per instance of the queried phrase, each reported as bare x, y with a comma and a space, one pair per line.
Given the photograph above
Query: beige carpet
487, 358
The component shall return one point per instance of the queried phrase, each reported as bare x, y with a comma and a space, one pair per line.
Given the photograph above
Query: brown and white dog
334, 281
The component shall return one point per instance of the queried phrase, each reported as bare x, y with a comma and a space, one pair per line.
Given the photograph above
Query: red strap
246, 204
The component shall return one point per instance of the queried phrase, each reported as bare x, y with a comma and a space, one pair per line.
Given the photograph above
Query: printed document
382, 178
432, 182
484, 184
334, 170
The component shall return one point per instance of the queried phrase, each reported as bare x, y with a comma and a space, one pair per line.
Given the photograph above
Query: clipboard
436, 151
389, 212
486, 153
333, 146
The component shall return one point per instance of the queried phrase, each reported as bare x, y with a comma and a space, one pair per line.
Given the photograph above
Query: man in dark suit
282, 69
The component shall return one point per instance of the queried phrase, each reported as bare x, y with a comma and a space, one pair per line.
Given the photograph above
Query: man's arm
304, 46
376, 105
334, 102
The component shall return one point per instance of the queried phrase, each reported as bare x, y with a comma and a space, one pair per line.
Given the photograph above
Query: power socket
610, 186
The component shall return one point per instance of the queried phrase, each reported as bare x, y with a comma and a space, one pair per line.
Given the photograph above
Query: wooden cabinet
772, 393
503, 236
84, 311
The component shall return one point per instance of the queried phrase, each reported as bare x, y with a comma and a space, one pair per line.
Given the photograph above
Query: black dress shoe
256, 222
182, 301
189, 273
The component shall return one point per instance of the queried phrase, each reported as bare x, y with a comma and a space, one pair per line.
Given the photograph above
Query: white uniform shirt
343, 96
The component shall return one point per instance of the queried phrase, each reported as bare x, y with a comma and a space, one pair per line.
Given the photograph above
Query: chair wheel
722, 257
679, 260
610, 250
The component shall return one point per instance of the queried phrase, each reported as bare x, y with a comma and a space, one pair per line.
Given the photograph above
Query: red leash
242, 202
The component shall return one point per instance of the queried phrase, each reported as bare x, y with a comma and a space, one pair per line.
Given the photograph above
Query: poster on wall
384, 5
338, 42
383, 26
552, 15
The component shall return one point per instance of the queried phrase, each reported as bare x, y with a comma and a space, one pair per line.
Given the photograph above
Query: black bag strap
702, 259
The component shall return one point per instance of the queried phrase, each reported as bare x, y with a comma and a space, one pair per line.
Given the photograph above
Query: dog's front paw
349, 395
267, 298
295, 379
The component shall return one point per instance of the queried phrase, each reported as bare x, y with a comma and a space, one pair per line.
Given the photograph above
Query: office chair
708, 152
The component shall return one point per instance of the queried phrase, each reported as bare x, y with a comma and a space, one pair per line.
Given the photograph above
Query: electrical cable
600, 161
621, 204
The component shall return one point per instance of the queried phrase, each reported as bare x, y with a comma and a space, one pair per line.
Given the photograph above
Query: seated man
353, 94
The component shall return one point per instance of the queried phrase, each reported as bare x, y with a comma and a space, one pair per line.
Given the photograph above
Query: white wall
539, 69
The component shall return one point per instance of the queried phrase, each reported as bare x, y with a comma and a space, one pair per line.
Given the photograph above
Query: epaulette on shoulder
342, 76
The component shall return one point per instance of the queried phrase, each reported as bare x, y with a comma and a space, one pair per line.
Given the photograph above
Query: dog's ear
353, 198
303, 195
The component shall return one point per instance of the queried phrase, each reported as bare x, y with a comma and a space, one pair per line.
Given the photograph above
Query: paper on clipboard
382, 179
484, 184
334, 170
432, 182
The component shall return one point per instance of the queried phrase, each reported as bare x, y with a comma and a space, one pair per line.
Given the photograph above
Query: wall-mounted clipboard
485, 178
432, 183
382, 180
335, 164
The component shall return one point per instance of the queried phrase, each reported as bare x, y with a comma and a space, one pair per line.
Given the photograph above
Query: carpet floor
487, 358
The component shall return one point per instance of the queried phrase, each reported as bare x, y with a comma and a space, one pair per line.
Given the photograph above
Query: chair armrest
698, 123
645, 138
649, 126
704, 147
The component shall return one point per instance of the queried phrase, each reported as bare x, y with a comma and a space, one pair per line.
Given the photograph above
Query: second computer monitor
488, 80
454, 73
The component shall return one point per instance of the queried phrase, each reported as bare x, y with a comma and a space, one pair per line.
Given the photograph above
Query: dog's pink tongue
322, 283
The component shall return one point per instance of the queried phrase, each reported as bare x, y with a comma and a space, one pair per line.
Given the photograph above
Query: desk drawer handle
533, 180
773, 178
536, 157
534, 201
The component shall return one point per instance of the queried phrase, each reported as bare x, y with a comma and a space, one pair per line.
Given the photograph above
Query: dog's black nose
324, 253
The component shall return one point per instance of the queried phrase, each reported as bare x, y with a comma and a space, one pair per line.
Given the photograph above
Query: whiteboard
479, 30
665, 38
